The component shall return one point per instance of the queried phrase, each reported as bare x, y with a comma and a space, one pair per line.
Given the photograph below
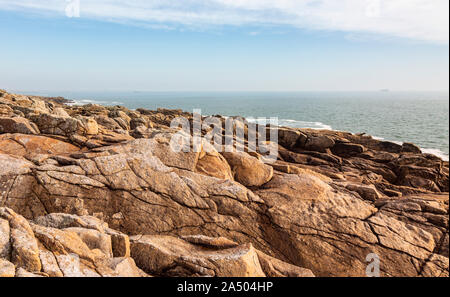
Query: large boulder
58, 125
214, 164
248, 170
411, 148
17, 125
319, 143
290, 138
347, 149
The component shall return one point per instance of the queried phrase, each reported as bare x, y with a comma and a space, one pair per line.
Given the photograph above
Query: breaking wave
322, 126
436, 152
294, 124
87, 101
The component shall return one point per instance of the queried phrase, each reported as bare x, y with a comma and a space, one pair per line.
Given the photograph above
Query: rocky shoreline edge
96, 191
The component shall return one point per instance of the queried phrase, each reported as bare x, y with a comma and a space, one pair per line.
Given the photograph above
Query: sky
224, 45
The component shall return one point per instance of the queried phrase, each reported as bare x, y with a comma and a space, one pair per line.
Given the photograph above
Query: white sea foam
87, 101
436, 152
294, 124
322, 126
378, 138
383, 139
305, 124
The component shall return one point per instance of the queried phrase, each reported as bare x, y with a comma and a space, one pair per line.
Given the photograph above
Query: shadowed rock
330, 199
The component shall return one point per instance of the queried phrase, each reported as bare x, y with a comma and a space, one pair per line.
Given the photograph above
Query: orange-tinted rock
213, 164
324, 208
40, 250
169, 256
248, 170
21, 145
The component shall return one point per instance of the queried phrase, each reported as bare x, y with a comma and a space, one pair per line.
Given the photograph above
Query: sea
418, 117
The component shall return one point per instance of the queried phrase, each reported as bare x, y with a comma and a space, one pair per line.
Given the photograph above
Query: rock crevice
103, 194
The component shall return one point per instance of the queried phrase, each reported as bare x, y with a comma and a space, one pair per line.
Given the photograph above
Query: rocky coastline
96, 191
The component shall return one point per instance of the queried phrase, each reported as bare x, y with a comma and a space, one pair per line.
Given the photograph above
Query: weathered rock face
298, 218
61, 245
17, 125
362, 228
58, 125
204, 256
29, 145
330, 200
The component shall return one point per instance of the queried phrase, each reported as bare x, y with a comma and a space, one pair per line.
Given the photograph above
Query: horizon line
219, 91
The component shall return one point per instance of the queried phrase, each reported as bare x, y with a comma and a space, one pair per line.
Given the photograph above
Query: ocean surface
418, 117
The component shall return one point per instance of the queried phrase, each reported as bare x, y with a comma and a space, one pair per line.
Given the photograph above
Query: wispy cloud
426, 20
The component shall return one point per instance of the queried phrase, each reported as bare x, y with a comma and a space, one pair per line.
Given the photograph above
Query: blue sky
224, 45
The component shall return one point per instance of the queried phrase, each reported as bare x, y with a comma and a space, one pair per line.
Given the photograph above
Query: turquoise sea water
418, 117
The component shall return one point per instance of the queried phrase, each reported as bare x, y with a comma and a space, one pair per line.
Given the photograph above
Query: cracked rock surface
64, 245
111, 198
